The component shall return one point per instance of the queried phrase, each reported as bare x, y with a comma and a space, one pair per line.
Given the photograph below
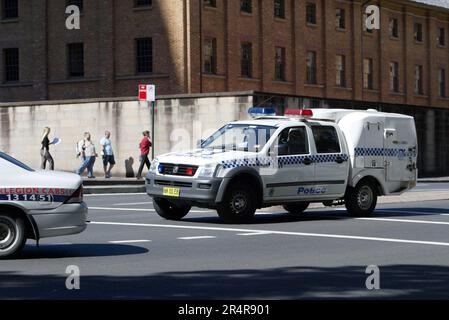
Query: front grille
173, 184
170, 169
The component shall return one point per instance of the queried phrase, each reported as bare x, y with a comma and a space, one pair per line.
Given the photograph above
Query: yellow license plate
172, 192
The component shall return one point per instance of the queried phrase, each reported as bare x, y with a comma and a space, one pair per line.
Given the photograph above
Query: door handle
308, 161
339, 160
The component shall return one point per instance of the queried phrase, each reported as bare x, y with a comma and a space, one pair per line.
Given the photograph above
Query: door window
293, 141
326, 139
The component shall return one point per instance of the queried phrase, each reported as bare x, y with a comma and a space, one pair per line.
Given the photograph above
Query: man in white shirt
108, 154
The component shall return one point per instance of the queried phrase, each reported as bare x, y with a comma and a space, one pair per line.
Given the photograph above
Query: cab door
295, 167
331, 161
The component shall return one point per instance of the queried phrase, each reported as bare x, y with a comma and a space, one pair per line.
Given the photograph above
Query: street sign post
147, 92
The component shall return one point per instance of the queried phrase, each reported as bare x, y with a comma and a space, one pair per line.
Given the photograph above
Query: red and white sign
147, 92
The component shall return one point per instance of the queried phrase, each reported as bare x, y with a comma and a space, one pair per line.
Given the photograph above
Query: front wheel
361, 200
169, 210
239, 204
296, 208
12, 235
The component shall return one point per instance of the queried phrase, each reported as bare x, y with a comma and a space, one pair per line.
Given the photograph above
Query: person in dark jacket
145, 145
45, 151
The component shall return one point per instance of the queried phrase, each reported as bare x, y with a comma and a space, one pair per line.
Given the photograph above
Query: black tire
239, 204
297, 208
169, 210
12, 235
361, 200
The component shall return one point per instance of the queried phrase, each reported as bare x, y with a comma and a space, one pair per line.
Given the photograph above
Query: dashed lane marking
287, 233
132, 203
196, 238
129, 241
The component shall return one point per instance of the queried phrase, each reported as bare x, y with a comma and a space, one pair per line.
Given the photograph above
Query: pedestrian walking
107, 154
45, 150
145, 145
87, 152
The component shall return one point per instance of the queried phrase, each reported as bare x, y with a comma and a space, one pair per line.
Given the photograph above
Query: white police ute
37, 204
330, 156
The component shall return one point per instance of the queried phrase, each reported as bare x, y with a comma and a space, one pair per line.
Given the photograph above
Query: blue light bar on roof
261, 112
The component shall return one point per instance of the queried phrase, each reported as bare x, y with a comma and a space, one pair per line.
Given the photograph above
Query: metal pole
153, 106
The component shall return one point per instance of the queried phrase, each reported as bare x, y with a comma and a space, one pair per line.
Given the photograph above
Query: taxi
37, 204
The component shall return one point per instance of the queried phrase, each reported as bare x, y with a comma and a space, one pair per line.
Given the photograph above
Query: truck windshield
240, 137
16, 162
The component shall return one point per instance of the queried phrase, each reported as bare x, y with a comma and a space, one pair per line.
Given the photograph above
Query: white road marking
196, 238
253, 234
302, 234
129, 241
413, 212
404, 221
138, 209
132, 204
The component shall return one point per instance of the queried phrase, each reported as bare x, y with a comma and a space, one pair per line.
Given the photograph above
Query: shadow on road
397, 282
323, 215
77, 251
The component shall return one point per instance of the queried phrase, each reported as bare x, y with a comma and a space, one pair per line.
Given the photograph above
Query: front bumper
65, 220
191, 189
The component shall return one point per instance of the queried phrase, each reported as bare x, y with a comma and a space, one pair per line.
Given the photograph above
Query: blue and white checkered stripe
381, 152
282, 161
247, 162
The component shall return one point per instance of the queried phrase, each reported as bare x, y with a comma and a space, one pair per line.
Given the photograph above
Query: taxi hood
201, 157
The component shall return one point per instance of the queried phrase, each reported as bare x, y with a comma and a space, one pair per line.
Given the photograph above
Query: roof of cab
274, 121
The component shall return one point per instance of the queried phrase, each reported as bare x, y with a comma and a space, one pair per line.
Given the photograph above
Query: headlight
154, 166
207, 171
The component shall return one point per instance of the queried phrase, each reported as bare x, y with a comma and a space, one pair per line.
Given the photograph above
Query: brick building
288, 52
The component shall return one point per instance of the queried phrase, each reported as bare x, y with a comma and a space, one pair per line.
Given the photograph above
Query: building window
246, 6
394, 28
10, 9
311, 13
418, 32
441, 37
394, 77
341, 18
368, 76
279, 72
279, 9
75, 59
143, 3
246, 64
419, 80
442, 83
311, 67
210, 55
210, 3
78, 3
11, 64
144, 55
340, 67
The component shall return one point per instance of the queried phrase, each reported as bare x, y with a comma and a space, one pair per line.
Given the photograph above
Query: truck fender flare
360, 177
230, 177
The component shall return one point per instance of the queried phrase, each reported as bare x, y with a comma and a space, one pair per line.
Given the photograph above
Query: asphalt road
129, 252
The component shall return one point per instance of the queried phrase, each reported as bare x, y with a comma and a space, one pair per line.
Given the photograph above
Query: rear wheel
12, 235
239, 204
296, 208
361, 200
169, 210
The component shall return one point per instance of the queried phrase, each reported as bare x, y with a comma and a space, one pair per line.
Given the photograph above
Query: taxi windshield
240, 137
16, 162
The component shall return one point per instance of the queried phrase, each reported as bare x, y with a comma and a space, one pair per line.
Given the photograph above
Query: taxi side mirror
199, 143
